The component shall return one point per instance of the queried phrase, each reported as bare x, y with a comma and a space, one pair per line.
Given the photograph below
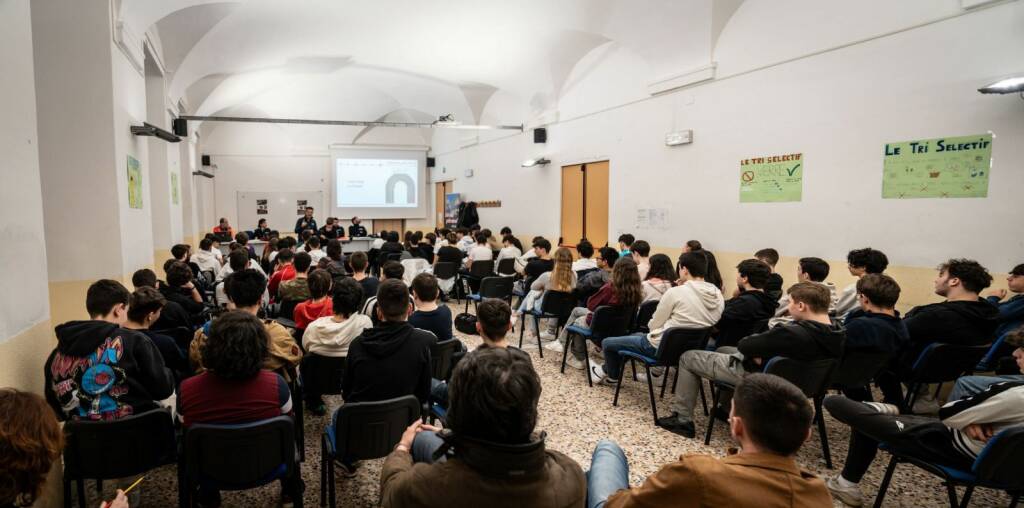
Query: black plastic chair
363, 430
239, 457
554, 305
857, 368
182, 336
446, 270
441, 358
477, 272
507, 267
999, 349
644, 315
811, 377
110, 449
997, 467
608, 321
492, 287
940, 363
674, 342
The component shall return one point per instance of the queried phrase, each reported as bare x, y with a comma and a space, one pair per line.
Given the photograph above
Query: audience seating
360, 431
507, 267
492, 287
940, 363
477, 271
238, 457
674, 342
554, 305
110, 449
856, 369
322, 374
182, 336
643, 316
441, 353
299, 410
998, 467
444, 271
991, 359
608, 321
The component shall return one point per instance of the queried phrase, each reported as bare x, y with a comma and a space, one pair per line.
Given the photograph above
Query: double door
585, 203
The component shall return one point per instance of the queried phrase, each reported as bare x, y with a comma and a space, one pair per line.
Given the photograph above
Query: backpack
466, 323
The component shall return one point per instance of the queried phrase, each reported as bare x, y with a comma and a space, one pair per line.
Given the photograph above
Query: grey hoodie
695, 304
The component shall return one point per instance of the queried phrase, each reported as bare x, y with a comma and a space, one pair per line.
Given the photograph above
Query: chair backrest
558, 303
182, 335
445, 270
496, 287
322, 374
128, 446
240, 456
811, 377
507, 266
644, 314
287, 309
481, 268
370, 430
441, 358
611, 321
992, 356
393, 256
583, 273
858, 368
939, 362
1002, 459
676, 341
208, 276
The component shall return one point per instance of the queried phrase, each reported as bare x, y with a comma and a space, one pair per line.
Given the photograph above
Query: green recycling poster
955, 167
772, 179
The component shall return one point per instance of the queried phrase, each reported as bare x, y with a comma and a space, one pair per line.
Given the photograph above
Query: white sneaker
575, 363
850, 496
547, 336
598, 376
554, 346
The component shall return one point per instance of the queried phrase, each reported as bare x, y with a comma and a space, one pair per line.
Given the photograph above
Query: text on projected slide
376, 182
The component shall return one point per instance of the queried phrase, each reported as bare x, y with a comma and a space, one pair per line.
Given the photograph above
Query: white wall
838, 108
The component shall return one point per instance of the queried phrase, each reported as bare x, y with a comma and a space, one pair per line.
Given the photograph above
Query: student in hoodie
360, 266
392, 270
144, 309
875, 326
661, 276
963, 318
330, 336
807, 270
812, 336
173, 315
490, 450
747, 312
955, 440
596, 279
860, 262
182, 290
100, 371
285, 271
206, 260
770, 257
694, 304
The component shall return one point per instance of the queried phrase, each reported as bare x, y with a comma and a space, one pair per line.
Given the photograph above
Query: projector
679, 138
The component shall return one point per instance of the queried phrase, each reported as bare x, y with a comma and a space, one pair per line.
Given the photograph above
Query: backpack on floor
466, 323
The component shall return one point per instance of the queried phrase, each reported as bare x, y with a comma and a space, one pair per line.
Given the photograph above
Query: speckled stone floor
575, 418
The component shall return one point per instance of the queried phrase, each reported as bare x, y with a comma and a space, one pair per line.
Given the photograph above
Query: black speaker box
540, 135
430, 162
180, 127
206, 160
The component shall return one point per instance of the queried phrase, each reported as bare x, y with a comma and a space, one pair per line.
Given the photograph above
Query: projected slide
381, 183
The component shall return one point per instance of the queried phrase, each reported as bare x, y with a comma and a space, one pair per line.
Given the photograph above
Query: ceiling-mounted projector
529, 163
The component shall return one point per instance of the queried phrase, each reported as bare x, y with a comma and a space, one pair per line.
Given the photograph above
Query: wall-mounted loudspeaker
180, 127
540, 135
430, 162
206, 160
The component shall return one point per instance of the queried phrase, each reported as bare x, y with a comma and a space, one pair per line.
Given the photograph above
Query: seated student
183, 253
390, 270
593, 281
314, 250
510, 249
297, 289
30, 442
391, 246
356, 230
1011, 312
283, 244
875, 326
285, 271
304, 240
332, 335
330, 230
319, 304
963, 318
144, 309
422, 249
242, 239
622, 290
692, 246
523, 260
489, 452
660, 276
492, 242
641, 252
586, 261
269, 251
369, 283
692, 304
262, 232
560, 278
744, 314
770, 257
244, 289
955, 440
173, 314
181, 290
625, 244
237, 260
860, 262
807, 270
99, 349
334, 260
235, 388
770, 420
541, 262
967, 386
714, 276
464, 239
812, 336
449, 252
479, 252
430, 315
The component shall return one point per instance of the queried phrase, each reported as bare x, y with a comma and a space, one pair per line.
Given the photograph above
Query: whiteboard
281, 209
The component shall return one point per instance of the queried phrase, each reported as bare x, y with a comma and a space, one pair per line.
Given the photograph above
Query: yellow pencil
132, 486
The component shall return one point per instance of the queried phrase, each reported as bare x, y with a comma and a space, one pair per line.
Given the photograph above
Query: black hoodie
389, 360
806, 341
102, 372
746, 314
874, 333
968, 323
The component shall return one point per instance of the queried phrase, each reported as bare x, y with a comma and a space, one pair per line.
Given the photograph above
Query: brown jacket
555, 481
284, 352
749, 479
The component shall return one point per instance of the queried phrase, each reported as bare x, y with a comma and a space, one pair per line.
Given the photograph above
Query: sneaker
598, 376
885, 409
547, 336
346, 470
850, 496
575, 363
554, 346
675, 426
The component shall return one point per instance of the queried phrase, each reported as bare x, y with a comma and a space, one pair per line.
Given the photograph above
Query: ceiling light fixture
148, 129
540, 161
1008, 85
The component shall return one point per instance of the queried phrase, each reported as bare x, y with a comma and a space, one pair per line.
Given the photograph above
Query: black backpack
466, 323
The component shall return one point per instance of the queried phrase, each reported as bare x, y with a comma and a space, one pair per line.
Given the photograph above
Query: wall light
1008, 85
541, 161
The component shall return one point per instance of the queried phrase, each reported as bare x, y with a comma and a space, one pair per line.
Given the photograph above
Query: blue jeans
423, 447
609, 473
973, 385
611, 346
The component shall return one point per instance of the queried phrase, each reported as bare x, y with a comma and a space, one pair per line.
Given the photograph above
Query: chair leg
586, 363
540, 346
711, 419
650, 391
664, 380
99, 488
618, 386
675, 380
331, 488
700, 388
565, 349
632, 365
323, 472
822, 432
67, 492
951, 492
889, 470
522, 330
908, 401
1015, 498
964, 501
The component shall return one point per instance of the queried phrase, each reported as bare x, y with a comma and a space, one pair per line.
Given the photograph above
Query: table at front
359, 244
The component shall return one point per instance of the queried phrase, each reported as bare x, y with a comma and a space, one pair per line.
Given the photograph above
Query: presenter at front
306, 222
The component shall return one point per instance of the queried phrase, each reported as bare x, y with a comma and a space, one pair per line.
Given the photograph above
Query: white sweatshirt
326, 337
847, 300
695, 304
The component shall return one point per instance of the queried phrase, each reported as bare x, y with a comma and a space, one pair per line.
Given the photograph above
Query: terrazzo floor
575, 418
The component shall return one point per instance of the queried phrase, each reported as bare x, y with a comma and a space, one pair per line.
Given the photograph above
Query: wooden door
572, 204
595, 208
441, 188
389, 225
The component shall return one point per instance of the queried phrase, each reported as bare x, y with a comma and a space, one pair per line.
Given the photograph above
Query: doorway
585, 203
440, 189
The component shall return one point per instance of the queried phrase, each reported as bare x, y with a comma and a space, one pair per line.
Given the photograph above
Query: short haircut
179, 251
695, 262
585, 249
1018, 270
238, 259
103, 295
346, 297
756, 271
302, 262
237, 346
178, 274
334, 249
425, 286
242, 237
543, 243
245, 288
393, 270
609, 255
144, 278
31, 441
769, 255
972, 275
309, 208
167, 265
358, 260
205, 244
306, 235
451, 238
627, 239
313, 242
285, 255
493, 396
393, 299
641, 247
812, 294
816, 268
694, 245
505, 231
319, 284
494, 316
393, 237
775, 413
144, 301
879, 289
871, 260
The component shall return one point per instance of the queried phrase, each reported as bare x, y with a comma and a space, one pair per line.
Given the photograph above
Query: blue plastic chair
988, 362
940, 363
491, 287
674, 342
608, 321
554, 305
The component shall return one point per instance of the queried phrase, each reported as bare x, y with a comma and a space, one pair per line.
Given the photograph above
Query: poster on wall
955, 167
772, 179
134, 183
451, 209
300, 205
174, 188
651, 218
261, 207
